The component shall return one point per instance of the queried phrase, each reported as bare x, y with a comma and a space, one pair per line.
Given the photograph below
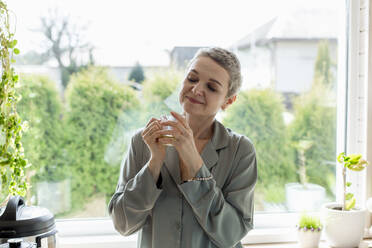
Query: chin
187, 109
190, 110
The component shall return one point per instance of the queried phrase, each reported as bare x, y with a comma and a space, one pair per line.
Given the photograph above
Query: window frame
352, 104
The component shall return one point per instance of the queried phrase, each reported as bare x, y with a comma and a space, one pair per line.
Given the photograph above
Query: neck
201, 126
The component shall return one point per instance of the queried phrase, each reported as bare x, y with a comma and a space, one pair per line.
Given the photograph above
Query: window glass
93, 73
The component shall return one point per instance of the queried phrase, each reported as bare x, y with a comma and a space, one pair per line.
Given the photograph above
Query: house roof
301, 24
185, 49
180, 55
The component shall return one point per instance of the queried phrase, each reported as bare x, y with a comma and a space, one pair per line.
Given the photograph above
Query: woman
198, 192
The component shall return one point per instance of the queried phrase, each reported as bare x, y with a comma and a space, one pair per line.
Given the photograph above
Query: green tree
66, 43
95, 104
161, 84
160, 93
315, 121
323, 65
258, 114
136, 74
41, 106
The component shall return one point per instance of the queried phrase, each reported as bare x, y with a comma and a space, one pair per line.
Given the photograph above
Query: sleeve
136, 192
225, 216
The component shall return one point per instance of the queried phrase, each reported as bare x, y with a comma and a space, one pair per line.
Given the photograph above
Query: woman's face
205, 88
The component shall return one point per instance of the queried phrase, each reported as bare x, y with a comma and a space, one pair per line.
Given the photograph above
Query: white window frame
368, 145
354, 119
359, 109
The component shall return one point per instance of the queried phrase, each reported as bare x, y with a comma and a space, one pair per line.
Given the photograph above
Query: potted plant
309, 229
344, 222
303, 196
18, 220
12, 161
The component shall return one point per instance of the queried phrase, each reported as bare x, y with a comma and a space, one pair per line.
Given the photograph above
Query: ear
228, 102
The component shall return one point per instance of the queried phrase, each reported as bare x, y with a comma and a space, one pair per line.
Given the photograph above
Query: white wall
255, 66
294, 63
288, 67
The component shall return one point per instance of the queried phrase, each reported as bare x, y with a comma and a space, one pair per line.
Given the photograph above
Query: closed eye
193, 80
211, 88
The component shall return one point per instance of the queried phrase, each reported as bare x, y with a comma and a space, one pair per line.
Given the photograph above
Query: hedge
160, 93
41, 106
95, 105
258, 114
315, 120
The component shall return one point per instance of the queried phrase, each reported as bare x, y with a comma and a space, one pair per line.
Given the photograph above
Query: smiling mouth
193, 100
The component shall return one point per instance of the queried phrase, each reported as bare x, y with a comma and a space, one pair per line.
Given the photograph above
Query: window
291, 106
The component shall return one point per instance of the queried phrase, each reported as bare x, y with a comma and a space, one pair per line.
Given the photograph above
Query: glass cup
167, 118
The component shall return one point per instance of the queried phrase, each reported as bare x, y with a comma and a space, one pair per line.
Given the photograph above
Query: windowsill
322, 244
100, 233
70, 228
117, 241
104, 241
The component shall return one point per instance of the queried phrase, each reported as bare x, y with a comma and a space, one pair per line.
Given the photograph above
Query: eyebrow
211, 79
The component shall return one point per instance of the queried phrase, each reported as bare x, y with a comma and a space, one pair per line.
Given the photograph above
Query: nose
197, 89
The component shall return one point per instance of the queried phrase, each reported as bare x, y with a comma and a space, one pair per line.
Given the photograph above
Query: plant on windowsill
344, 223
12, 161
309, 229
303, 196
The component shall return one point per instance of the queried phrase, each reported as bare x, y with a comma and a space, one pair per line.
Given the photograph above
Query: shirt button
178, 226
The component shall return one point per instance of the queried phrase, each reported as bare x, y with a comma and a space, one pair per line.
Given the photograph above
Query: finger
180, 118
148, 128
151, 138
151, 128
168, 141
158, 134
151, 121
155, 123
162, 133
176, 125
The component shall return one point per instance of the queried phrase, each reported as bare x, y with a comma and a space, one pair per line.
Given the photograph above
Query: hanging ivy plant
12, 161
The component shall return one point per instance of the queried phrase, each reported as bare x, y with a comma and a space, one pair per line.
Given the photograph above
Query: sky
126, 31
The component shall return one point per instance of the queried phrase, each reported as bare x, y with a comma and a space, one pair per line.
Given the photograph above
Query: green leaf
350, 204
309, 221
348, 184
17, 172
5, 162
16, 50
22, 192
355, 156
4, 179
13, 43
349, 196
23, 162
359, 166
340, 157
15, 78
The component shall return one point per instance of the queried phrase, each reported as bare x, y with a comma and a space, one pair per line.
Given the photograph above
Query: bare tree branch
66, 42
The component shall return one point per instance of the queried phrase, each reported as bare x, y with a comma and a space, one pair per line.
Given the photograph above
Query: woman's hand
158, 150
184, 143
